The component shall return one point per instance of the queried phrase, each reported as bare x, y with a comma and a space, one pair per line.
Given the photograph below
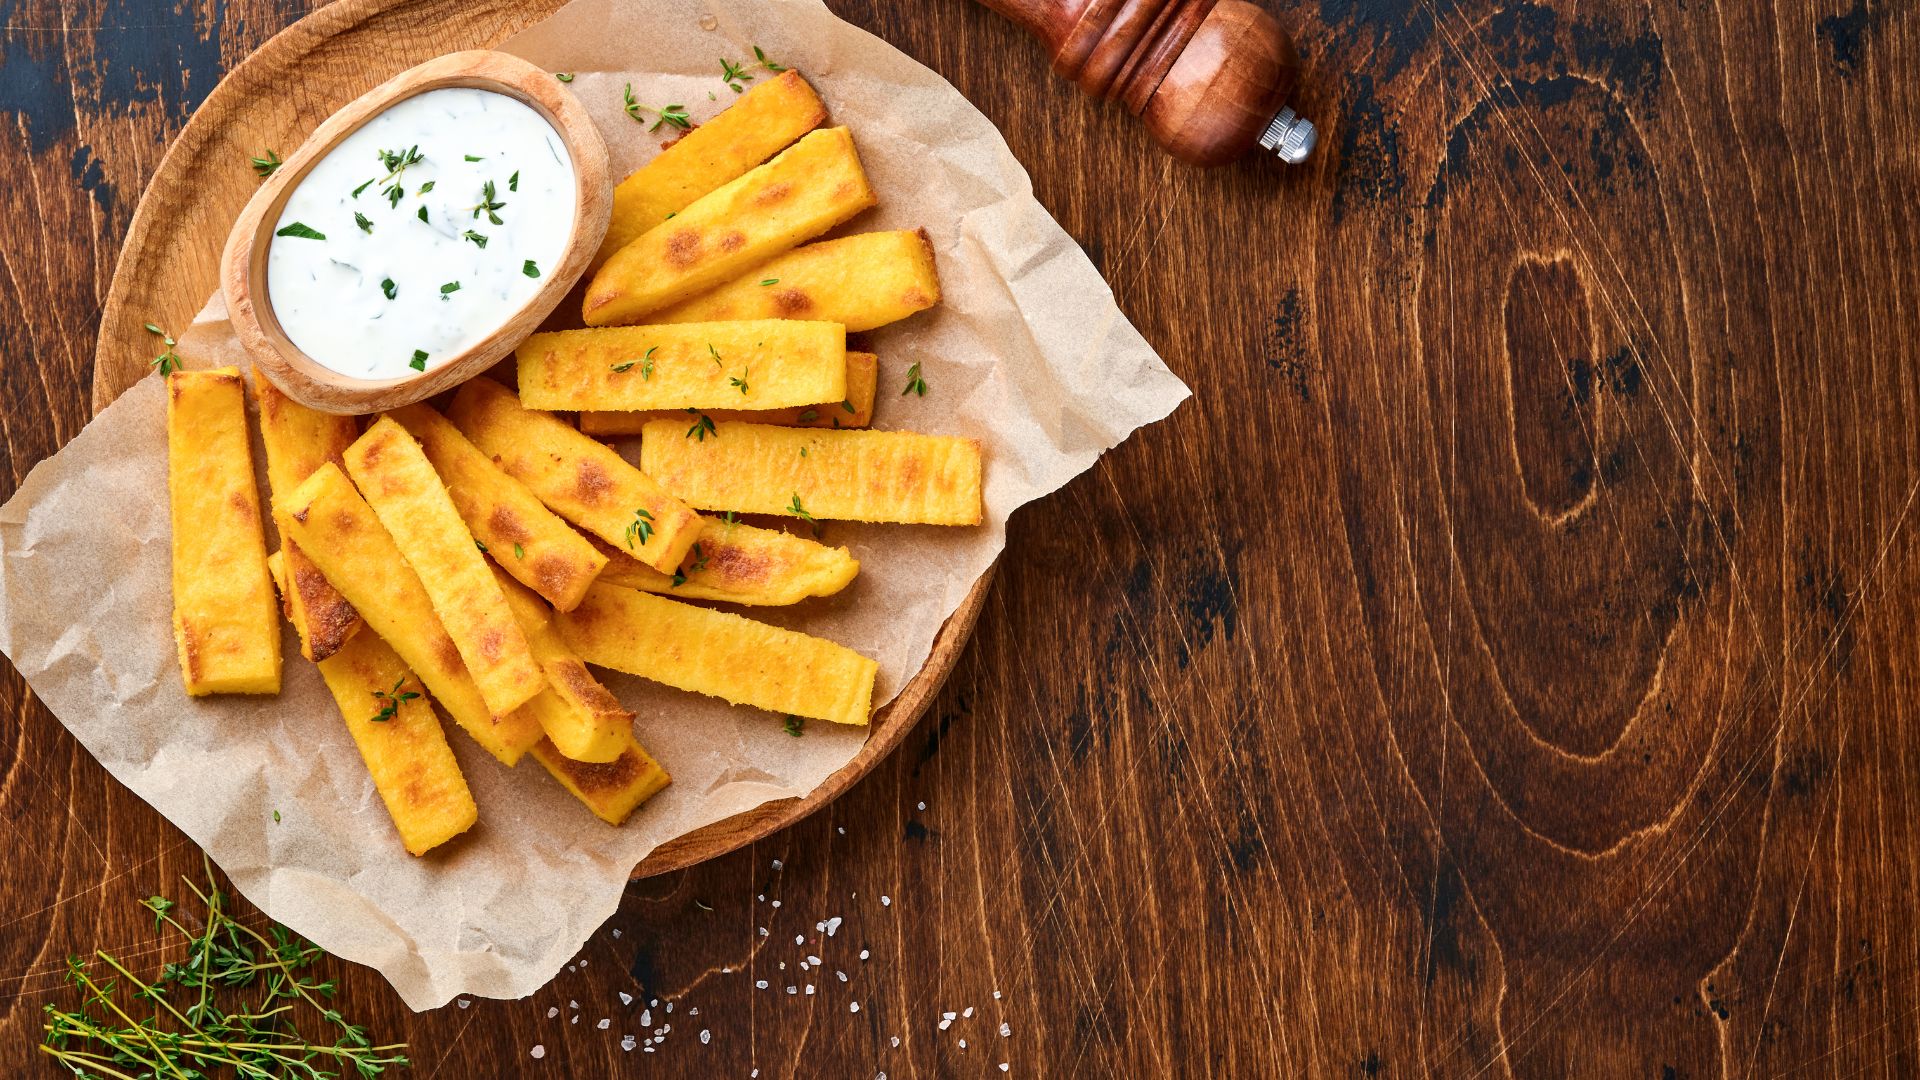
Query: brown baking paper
1028, 354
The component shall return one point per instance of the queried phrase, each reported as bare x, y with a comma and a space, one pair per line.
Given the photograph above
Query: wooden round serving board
273, 99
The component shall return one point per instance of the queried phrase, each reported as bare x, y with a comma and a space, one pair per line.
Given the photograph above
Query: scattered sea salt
646, 1017
583, 961
760, 984
705, 1036
762, 898
570, 967
863, 954
804, 965
853, 1006
793, 989
809, 989
842, 974
963, 1044
603, 1024
947, 1023
777, 864
996, 995
885, 900
538, 1051
814, 960
1003, 1066
968, 1012
573, 1004
627, 1043
895, 1040
843, 830
616, 933
552, 1012
833, 925
799, 939
763, 931
923, 806
947, 1016
695, 1011
648, 1048
626, 998
463, 1003
669, 1006
776, 903
1006, 1029
574, 1019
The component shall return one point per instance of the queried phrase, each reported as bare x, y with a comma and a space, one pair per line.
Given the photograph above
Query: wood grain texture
1528, 693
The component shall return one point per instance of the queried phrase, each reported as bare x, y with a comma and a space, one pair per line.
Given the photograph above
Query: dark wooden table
1505, 665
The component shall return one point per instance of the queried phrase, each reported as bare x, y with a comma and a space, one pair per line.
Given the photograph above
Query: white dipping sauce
331, 295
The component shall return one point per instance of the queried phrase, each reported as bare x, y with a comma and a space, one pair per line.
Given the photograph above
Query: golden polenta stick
853, 411
741, 564
810, 187
584, 481
751, 130
611, 790
347, 542
895, 476
400, 740
299, 440
861, 282
764, 364
224, 622
528, 540
395, 478
583, 719
720, 654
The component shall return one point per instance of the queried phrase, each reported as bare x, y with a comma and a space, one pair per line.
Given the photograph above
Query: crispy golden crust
406, 752
299, 440
396, 479
529, 541
810, 187
611, 790
580, 479
582, 718
349, 545
741, 564
895, 476
225, 625
751, 130
853, 411
862, 282
765, 364
720, 654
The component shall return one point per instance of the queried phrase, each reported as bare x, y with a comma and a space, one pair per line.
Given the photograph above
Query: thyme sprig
266, 165
167, 362
674, 115
178, 1024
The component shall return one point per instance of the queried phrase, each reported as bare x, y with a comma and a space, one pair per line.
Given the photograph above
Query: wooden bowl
170, 263
243, 267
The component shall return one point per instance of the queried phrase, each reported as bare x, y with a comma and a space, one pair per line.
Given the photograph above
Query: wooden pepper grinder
1209, 77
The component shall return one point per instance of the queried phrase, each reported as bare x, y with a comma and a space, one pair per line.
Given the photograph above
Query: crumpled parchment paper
1028, 354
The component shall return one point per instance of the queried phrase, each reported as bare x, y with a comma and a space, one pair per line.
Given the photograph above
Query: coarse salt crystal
948, 1016
853, 1006
604, 1024
923, 806
804, 965
570, 967
626, 998
573, 1004
895, 1040
863, 954
669, 1006
885, 900
616, 933
809, 989
762, 898
552, 1012
655, 1002
814, 960
776, 903
996, 995
760, 984
1003, 1066
799, 939
648, 1048
842, 974
538, 1051
627, 1043
763, 931
463, 1003
963, 1044
945, 1024
695, 1011
833, 925
967, 1012
705, 1036
793, 989
1006, 1029
646, 1017
776, 864
574, 1019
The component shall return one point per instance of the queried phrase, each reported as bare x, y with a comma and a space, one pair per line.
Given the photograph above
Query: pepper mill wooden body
1209, 77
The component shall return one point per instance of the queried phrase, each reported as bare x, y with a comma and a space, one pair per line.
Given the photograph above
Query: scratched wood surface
1504, 666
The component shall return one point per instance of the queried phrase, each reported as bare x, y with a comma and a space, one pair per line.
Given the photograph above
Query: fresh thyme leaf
396, 163
448, 289
519, 552
478, 239
640, 527
528, 268
167, 362
622, 369
488, 204
360, 219
266, 166
797, 510
302, 231
424, 188
387, 286
674, 115
771, 281
915, 384
419, 361
736, 75
423, 216
482, 547
848, 405
361, 188
794, 726
679, 579
473, 157
702, 428
808, 416
731, 519
741, 380
391, 700
563, 76
699, 558
766, 63
646, 366
513, 182
276, 817
715, 353
394, 194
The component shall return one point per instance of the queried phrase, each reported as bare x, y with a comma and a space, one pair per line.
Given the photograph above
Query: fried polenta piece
225, 625
400, 739
741, 564
528, 540
810, 187
396, 479
894, 476
299, 440
582, 719
754, 128
764, 364
347, 542
611, 790
862, 282
582, 480
853, 411
719, 654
